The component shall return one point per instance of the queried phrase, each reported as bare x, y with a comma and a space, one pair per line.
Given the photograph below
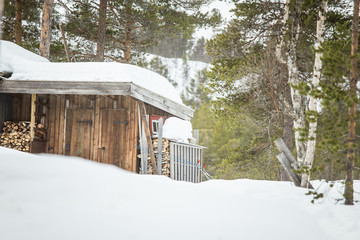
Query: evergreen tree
45, 36
135, 25
16, 13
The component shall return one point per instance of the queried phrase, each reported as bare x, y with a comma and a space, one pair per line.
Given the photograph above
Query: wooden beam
98, 88
65, 87
280, 144
286, 165
288, 162
145, 126
143, 151
160, 138
32, 117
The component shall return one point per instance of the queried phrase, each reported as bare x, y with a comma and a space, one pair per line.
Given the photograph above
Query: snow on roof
28, 66
176, 128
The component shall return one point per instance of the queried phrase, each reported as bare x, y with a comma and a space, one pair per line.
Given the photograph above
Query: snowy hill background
180, 71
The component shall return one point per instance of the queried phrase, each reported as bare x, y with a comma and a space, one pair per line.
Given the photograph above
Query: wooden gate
186, 162
113, 136
78, 132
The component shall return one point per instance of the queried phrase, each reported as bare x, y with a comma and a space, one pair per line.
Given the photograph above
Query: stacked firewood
16, 135
165, 166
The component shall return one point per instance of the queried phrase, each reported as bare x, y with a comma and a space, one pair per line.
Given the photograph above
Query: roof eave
97, 88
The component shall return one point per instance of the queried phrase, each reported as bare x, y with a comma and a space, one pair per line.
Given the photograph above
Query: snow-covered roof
34, 74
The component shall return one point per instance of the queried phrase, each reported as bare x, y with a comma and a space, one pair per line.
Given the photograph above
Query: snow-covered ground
56, 197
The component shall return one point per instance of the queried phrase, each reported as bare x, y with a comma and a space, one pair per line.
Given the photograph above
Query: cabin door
113, 136
78, 132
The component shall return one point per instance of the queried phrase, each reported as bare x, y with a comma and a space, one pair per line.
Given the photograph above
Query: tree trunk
18, 22
349, 183
288, 121
129, 24
311, 142
128, 40
288, 139
100, 44
1, 16
45, 36
279, 46
298, 101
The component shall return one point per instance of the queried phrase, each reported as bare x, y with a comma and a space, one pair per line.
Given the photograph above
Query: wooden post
196, 135
286, 165
280, 144
143, 151
288, 162
145, 126
65, 43
160, 137
32, 117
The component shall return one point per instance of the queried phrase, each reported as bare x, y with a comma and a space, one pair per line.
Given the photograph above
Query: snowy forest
203, 119
272, 69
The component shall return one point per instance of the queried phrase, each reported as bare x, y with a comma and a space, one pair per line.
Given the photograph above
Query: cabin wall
100, 128
21, 107
6, 109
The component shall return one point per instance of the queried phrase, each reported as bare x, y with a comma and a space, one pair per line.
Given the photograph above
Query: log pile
16, 135
165, 166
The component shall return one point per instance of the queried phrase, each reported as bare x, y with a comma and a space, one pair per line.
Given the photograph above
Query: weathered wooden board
280, 144
78, 132
160, 137
145, 126
6, 109
65, 87
286, 165
113, 137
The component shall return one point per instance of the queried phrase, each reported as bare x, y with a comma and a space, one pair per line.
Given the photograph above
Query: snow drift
56, 197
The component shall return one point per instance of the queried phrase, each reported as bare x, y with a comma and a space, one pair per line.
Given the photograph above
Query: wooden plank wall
21, 107
155, 111
55, 125
80, 125
85, 128
6, 108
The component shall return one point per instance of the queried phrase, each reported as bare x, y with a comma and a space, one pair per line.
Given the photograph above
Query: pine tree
100, 43
45, 36
17, 12
349, 184
133, 26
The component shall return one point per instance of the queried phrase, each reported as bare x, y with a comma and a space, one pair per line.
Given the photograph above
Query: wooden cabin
96, 121
105, 112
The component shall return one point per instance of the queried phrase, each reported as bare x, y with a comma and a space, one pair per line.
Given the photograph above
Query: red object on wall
156, 118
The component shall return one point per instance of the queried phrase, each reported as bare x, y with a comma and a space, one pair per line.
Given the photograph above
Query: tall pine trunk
100, 44
45, 36
288, 121
18, 22
128, 36
349, 183
1, 16
311, 142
